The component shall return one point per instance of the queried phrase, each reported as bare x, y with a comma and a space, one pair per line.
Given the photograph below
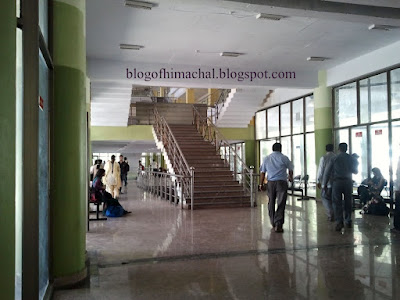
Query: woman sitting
112, 207
372, 188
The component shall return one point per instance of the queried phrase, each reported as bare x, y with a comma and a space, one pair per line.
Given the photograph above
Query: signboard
41, 103
359, 134
378, 132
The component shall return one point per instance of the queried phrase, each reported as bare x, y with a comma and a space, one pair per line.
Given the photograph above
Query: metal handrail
167, 138
211, 133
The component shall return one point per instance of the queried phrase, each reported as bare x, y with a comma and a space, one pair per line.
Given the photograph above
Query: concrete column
322, 117
8, 27
213, 95
190, 96
69, 147
162, 92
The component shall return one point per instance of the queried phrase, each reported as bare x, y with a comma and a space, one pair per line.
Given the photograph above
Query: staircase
214, 185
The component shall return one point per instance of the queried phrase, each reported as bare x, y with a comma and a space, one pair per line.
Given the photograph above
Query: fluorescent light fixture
231, 54
316, 58
139, 4
130, 47
269, 17
381, 27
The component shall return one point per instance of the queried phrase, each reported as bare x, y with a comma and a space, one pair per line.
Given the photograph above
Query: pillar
162, 92
190, 96
213, 95
69, 146
322, 117
8, 27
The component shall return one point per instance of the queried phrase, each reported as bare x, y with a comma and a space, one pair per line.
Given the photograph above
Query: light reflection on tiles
234, 254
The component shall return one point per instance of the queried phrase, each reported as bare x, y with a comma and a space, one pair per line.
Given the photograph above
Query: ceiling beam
330, 7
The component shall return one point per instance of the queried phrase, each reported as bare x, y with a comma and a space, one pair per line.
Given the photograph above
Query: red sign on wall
41, 103
359, 134
378, 132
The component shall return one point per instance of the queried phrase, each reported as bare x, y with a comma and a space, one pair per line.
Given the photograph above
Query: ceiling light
269, 17
231, 54
316, 58
381, 27
139, 4
130, 47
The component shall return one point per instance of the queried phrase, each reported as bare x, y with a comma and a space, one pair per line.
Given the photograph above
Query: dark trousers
277, 194
342, 189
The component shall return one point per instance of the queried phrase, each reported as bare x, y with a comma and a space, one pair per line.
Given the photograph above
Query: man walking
340, 171
275, 166
124, 167
326, 193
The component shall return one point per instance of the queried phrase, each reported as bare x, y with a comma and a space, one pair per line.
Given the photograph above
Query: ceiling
190, 33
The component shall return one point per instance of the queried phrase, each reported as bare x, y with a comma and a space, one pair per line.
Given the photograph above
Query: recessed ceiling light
317, 58
269, 17
130, 47
231, 54
139, 4
381, 27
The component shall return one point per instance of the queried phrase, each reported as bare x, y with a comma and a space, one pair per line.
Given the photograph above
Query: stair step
233, 187
220, 205
217, 194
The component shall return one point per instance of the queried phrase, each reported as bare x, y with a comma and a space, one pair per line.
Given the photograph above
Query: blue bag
114, 211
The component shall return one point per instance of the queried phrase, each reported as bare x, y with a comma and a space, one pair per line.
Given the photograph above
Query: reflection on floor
162, 252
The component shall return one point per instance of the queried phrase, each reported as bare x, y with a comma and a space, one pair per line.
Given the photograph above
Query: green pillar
322, 117
8, 27
69, 151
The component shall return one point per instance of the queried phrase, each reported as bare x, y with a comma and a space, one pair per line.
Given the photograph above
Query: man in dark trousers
124, 171
275, 166
340, 171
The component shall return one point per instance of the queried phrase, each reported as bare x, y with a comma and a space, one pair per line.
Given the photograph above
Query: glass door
379, 134
359, 145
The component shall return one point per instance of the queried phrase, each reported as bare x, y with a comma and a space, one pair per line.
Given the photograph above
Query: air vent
130, 47
231, 54
263, 16
140, 4
382, 27
317, 58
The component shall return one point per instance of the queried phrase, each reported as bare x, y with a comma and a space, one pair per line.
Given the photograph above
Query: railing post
251, 186
234, 166
191, 187
181, 193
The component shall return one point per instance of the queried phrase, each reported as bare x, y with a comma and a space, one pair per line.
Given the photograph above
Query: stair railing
216, 109
175, 155
240, 171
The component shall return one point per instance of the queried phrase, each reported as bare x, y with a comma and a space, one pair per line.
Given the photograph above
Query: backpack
114, 211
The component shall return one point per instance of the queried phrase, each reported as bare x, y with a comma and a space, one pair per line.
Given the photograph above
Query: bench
299, 188
97, 203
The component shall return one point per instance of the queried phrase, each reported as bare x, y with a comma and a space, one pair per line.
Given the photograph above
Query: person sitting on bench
371, 188
112, 207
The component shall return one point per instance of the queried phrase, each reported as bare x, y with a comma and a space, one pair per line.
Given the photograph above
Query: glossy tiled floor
162, 252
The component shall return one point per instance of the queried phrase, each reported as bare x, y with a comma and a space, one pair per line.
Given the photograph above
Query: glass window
298, 155
341, 136
285, 119
346, 105
273, 122
395, 92
43, 18
310, 113
373, 99
261, 125
379, 134
359, 145
311, 166
287, 146
297, 116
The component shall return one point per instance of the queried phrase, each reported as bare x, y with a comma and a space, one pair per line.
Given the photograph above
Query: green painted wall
250, 153
69, 198
115, 133
7, 147
238, 133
